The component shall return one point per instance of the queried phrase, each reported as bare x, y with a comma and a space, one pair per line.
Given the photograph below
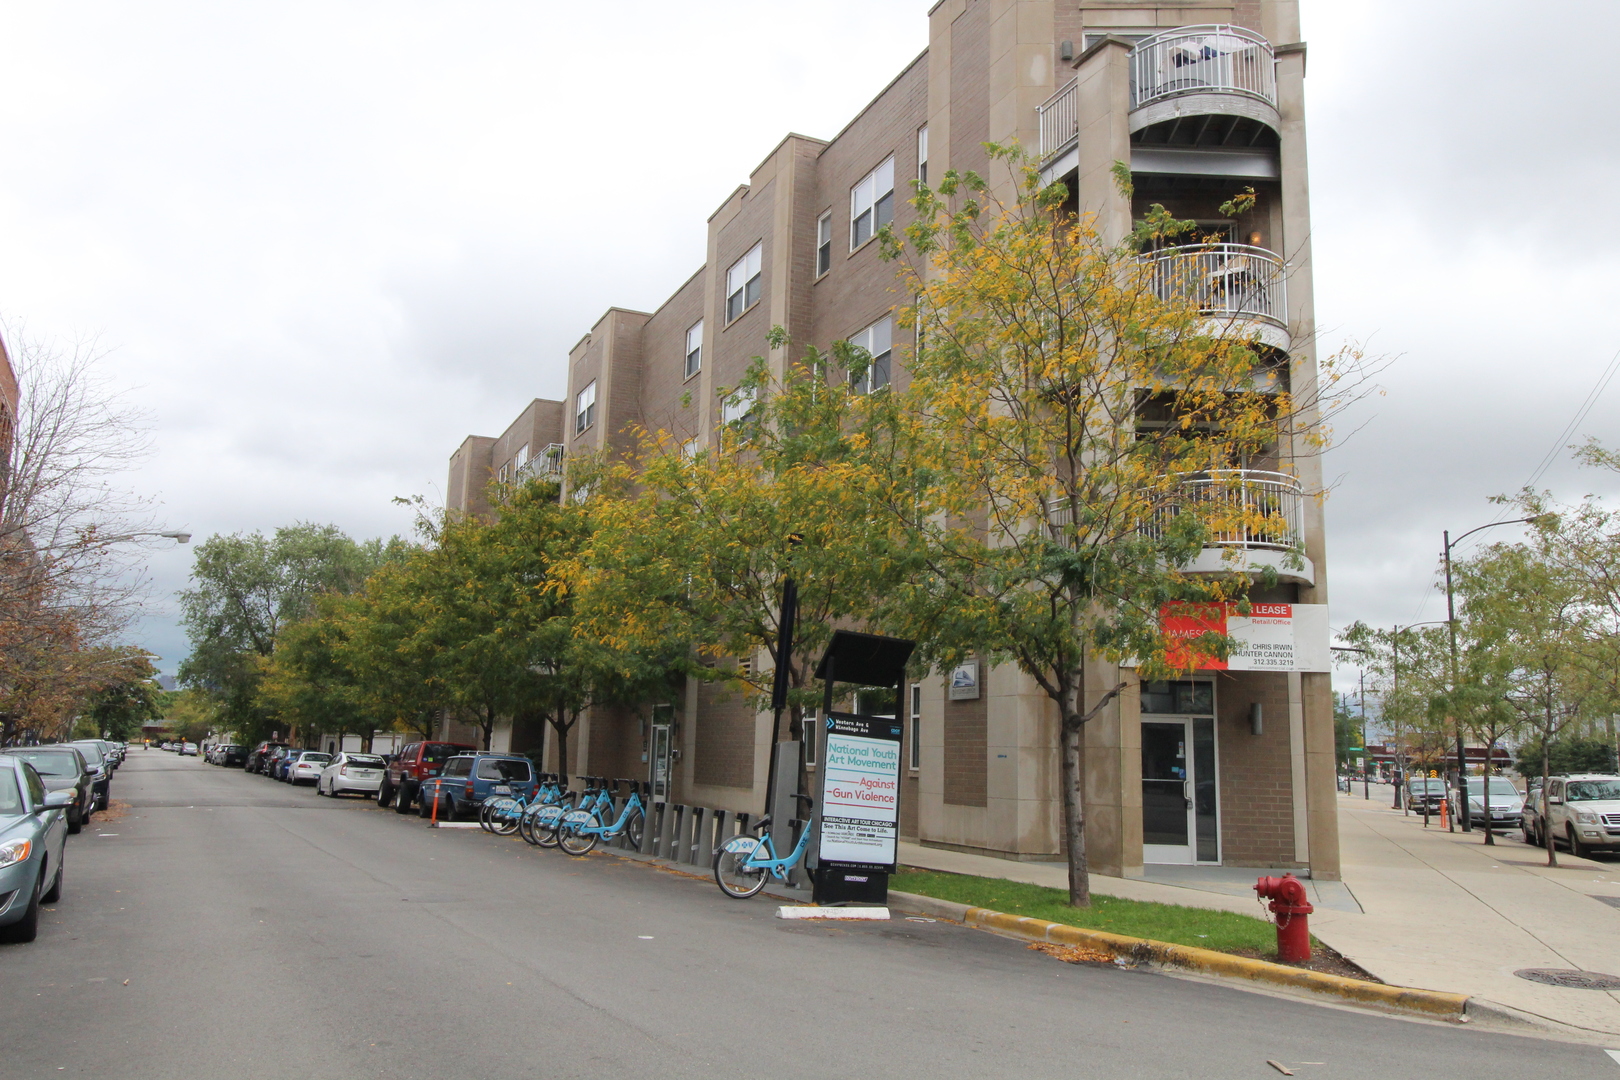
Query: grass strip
1222, 930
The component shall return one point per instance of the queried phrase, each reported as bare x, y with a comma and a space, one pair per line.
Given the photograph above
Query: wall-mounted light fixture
1256, 721
1254, 238
1066, 50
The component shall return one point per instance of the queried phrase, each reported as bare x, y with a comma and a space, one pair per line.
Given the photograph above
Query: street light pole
1463, 810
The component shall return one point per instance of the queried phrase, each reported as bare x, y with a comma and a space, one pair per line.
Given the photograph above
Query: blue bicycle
540, 824
582, 828
744, 865
502, 814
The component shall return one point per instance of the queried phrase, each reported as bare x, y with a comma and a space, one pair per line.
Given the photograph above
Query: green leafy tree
119, 709
244, 589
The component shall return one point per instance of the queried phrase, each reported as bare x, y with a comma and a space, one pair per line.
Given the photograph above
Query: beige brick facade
988, 767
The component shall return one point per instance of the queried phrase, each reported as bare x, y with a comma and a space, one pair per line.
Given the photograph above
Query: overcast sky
326, 241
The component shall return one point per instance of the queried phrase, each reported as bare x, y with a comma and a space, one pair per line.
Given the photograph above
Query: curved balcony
1231, 283
1204, 72
1259, 512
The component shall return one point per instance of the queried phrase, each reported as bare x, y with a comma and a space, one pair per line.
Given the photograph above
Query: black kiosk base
834, 884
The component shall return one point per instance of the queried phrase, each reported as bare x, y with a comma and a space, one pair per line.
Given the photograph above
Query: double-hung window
824, 244
585, 408
922, 153
871, 203
877, 340
694, 349
742, 283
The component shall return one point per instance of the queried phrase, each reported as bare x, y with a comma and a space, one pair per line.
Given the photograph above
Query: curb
1435, 1004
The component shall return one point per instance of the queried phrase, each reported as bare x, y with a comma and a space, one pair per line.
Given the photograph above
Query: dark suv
255, 761
419, 761
469, 779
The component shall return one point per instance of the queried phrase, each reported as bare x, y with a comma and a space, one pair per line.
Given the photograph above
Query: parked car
100, 770
1530, 820
189, 748
1583, 810
351, 772
1507, 805
469, 779
419, 761
63, 768
306, 765
228, 754
33, 839
276, 760
258, 759
1420, 790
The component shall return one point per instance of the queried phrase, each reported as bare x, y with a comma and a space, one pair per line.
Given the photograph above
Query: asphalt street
228, 926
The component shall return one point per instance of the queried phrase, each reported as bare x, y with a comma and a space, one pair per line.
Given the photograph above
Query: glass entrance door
1167, 792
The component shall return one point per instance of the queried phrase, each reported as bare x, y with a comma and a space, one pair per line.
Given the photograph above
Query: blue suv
469, 779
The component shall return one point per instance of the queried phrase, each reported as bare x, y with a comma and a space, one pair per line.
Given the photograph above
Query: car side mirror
56, 800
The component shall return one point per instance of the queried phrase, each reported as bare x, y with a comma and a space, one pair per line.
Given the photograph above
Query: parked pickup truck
407, 770
469, 779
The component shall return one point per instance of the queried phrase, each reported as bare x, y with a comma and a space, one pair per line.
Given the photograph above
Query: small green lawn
1222, 930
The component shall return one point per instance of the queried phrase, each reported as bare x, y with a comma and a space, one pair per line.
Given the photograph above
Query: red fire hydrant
1288, 904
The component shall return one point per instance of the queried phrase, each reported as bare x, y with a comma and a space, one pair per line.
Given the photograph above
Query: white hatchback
351, 772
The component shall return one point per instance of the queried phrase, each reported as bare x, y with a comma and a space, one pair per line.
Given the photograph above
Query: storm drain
1570, 977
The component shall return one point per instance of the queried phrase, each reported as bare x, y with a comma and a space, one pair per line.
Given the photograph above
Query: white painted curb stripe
878, 913
454, 825
1614, 1054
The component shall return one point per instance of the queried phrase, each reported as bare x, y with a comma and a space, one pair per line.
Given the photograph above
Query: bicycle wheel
572, 840
503, 820
633, 830
525, 825
545, 830
484, 809
735, 881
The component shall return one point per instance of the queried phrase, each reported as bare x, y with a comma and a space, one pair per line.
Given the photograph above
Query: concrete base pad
878, 913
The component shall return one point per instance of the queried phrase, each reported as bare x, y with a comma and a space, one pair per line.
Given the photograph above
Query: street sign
1355, 749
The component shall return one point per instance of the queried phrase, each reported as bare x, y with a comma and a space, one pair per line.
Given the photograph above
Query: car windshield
10, 794
1499, 786
499, 769
91, 752
439, 752
1592, 790
317, 757
1433, 787
367, 760
50, 762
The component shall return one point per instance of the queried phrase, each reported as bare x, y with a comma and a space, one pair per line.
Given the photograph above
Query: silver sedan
351, 772
307, 765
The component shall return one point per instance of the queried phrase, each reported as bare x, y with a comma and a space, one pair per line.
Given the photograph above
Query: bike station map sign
1272, 637
860, 791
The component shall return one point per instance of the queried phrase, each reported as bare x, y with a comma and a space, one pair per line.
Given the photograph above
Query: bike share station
856, 822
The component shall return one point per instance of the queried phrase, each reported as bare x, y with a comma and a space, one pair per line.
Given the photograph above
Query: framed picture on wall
965, 682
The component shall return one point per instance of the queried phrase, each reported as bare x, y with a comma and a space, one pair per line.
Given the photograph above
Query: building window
877, 341
922, 153
742, 283
522, 458
505, 473
916, 727
694, 349
737, 406
824, 244
871, 204
585, 408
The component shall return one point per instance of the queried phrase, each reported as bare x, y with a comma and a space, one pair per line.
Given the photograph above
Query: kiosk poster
860, 791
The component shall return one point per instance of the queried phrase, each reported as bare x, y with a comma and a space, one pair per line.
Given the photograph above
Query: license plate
503, 789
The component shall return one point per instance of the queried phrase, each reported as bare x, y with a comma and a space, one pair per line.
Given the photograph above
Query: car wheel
27, 928
1576, 848
385, 795
75, 824
402, 800
422, 810
54, 893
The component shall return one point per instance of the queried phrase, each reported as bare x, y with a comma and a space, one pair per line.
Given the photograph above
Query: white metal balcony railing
548, 462
1225, 280
1271, 505
1203, 59
1186, 60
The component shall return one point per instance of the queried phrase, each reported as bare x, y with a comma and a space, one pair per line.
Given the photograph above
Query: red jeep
419, 761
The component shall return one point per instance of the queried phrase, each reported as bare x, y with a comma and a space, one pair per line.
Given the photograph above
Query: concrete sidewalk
1423, 908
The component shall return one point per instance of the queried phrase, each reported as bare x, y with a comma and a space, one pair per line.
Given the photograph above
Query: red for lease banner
1271, 637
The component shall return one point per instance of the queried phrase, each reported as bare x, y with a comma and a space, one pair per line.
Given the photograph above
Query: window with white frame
522, 456
877, 340
916, 727
692, 447
694, 349
824, 244
922, 153
737, 405
742, 282
871, 203
585, 408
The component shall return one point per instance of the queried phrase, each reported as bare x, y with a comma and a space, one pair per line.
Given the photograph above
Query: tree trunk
1074, 818
1546, 833
488, 727
562, 750
1485, 793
